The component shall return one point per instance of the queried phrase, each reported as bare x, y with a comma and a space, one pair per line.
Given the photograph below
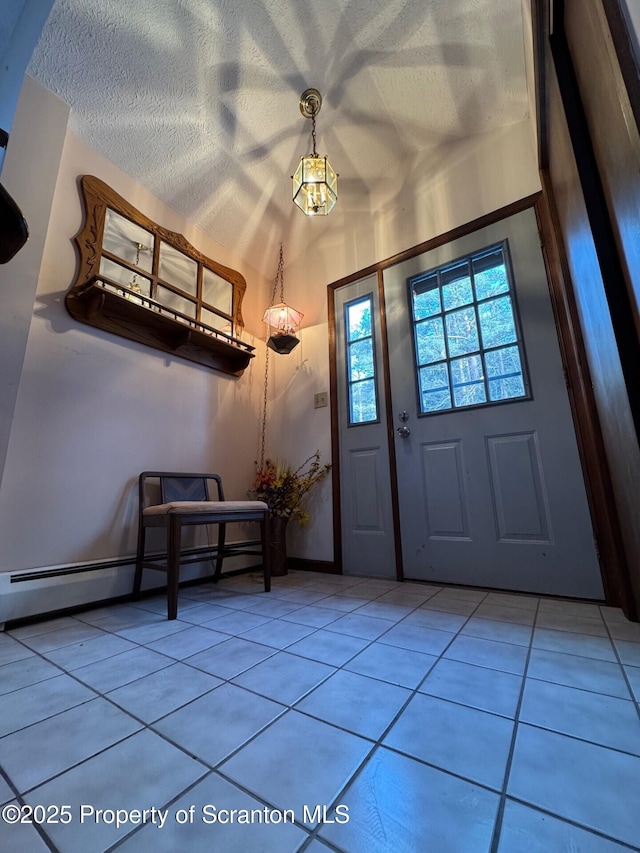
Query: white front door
489, 481
368, 541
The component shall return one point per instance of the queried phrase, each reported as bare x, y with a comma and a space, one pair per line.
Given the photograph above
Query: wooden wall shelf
150, 285
153, 325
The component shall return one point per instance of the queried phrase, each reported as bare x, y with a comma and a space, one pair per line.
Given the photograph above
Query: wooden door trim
335, 433
551, 55
598, 485
393, 470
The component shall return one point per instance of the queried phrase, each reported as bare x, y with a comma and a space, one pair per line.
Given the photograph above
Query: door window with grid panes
467, 341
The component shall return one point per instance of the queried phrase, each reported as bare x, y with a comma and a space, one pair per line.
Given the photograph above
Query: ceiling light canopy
315, 183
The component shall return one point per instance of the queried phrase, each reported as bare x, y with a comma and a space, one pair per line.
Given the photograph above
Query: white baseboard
44, 590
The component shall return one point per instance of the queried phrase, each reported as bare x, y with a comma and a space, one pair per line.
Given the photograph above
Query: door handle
404, 431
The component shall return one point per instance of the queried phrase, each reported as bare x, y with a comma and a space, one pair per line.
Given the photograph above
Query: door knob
404, 431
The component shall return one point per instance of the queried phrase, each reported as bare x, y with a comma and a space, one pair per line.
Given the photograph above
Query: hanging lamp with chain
282, 320
315, 183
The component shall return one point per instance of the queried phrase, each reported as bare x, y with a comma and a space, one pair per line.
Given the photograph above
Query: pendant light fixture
315, 183
282, 320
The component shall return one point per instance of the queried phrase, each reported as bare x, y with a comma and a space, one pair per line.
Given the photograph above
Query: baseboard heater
45, 590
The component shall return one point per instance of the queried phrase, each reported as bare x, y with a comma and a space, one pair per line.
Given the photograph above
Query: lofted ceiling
198, 99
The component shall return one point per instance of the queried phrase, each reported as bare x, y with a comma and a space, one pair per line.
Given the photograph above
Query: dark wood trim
393, 469
335, 435
591, 448
541, 28
300, 564
586, 280
620, 307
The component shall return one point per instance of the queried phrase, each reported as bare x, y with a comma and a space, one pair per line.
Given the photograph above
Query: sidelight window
361, 363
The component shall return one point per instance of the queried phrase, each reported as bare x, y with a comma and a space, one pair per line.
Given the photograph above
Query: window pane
359, 320
505, 374
360, 360
434, 388
503, 362
456, 287
462, 332
426, 298
496, 322
430, 341
505, 389
468, 381
490, 275
362, 402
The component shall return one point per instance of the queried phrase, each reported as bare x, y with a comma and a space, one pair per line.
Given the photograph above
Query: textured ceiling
198, 99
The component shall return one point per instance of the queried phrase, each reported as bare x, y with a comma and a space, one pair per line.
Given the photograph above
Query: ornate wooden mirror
143, 282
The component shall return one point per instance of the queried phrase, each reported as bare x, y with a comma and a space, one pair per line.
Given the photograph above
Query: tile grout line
497, 827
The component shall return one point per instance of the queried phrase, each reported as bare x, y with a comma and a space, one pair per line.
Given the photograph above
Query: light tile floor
439, 719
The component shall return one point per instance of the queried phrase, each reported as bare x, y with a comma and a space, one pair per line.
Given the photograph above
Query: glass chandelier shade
315, 183
282, 320
315, 186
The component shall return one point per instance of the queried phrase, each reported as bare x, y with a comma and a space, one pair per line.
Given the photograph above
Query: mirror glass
177, 269
210, 318
176, 302
217, 291
121, 275
123, 238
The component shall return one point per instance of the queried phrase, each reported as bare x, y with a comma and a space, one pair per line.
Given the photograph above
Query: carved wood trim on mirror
145, 283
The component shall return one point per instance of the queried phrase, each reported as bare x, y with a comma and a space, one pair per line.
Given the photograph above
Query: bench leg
222, 530
265, 536
174, 541
137, 579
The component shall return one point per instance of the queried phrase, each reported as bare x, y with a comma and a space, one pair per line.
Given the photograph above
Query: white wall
93, 410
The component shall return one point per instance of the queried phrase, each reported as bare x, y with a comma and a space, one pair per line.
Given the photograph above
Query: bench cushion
220, 507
